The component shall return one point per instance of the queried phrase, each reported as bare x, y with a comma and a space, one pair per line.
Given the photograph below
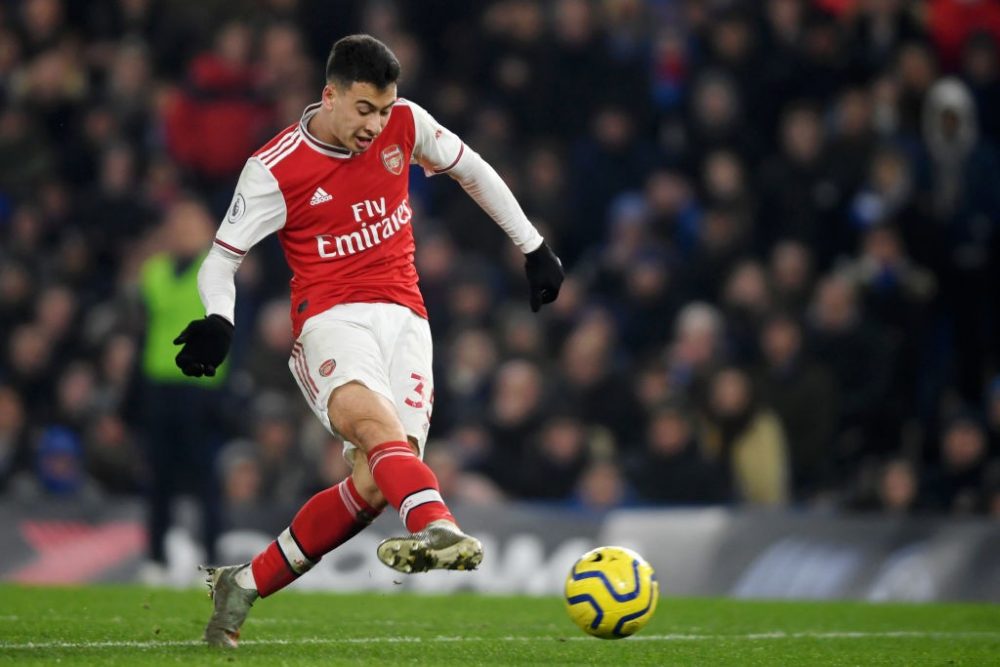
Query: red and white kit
344, 221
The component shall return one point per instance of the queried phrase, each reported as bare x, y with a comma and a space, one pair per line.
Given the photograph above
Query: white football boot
231, 603
439, 546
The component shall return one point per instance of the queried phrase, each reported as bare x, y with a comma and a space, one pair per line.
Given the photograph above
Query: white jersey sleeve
257, 210
439, 151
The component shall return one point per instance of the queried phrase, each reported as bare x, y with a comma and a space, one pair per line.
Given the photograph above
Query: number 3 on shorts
416, 399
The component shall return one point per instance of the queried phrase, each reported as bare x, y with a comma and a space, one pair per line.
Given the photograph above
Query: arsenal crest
392, 159
327, 367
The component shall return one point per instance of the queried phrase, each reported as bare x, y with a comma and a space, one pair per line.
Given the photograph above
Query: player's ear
329, 96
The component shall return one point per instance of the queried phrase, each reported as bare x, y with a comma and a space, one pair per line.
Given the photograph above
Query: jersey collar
314, 143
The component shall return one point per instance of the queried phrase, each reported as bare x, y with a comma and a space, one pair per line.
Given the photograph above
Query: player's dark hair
361, 58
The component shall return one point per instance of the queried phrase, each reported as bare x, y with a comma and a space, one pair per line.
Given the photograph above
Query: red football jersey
343, 218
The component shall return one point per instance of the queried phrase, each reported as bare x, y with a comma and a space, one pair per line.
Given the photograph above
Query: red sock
408, 484
326, 521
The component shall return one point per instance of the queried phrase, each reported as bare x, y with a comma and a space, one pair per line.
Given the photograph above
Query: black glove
206, 342
545, 275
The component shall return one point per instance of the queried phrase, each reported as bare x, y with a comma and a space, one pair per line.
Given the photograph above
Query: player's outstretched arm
440, 151
484, 185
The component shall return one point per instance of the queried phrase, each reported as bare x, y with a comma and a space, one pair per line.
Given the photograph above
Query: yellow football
611, 592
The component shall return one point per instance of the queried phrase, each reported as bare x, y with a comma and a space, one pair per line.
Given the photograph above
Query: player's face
358, 114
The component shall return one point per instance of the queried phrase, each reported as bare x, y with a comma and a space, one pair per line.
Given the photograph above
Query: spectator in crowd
804, 396
613, 149
673, 211
266, 359
14, 450
464, 388
75, 396
862, 366
330, 463
959, 194
651, 385
114, 214
747, 438
746, 299
878, 31
25, 156
602, 487
554, 462
886, 196
992, 489
470, 443
799, 196
790, 274
897, 294
464, 487
724, 234
180, 420
241, 474
649, 304
117, 360
110, 454
981, 72
697, 349
590, 382
28, 364
898, 487
672, 468
520, 335
914, 71
894, 489
852, 139
716, 120
514, 414
222, 90
957, 484
283, 471
59, 470
725, 181
734, 48
992, 409
17, 287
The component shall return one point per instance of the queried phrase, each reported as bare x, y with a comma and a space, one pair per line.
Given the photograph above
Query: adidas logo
320, 196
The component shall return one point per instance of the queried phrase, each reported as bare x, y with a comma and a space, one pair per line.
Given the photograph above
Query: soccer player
334, 187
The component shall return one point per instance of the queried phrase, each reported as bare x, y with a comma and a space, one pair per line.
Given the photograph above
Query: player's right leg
370, 422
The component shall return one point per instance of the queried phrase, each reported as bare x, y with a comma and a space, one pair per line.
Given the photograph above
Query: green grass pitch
117, 625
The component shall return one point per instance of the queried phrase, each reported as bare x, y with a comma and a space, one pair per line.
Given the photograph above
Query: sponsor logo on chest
377, 225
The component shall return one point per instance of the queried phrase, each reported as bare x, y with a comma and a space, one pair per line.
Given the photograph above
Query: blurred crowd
778, 218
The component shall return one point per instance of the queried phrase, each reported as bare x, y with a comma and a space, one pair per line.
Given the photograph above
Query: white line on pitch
756, 636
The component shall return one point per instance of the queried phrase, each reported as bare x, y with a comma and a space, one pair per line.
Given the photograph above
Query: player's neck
317, 129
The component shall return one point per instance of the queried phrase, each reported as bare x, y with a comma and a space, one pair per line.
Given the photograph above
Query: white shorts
384, 346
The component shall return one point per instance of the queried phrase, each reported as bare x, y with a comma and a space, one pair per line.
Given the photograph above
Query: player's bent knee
364, 482
371, 494
366, 434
